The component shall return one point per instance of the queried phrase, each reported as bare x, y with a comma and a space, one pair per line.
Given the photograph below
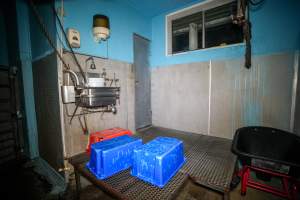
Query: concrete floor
22, 181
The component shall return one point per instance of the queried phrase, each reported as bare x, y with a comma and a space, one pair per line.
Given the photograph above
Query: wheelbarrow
269, 152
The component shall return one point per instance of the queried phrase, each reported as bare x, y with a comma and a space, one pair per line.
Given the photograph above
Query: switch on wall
73, 38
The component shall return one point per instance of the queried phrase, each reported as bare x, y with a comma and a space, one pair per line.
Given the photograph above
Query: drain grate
211, 163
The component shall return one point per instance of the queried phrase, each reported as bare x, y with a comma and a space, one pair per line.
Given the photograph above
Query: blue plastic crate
111, 156
157, 161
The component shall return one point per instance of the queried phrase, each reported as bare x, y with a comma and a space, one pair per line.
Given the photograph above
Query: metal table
125, 186
209, 162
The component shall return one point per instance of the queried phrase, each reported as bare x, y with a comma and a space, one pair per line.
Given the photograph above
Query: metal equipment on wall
91, 92
88, 120
95, 95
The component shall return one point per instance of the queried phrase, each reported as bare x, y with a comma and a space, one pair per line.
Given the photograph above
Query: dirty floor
22, 182
190, 191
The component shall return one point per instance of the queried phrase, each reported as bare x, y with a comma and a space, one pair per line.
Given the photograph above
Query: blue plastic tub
157, 161
112, 156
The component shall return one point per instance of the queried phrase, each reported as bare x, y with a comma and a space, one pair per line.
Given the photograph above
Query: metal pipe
89, 111
74, 74
69, 45
74, 112
45, 32
106, 109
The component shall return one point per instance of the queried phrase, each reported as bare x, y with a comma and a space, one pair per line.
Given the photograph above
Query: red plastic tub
106, 134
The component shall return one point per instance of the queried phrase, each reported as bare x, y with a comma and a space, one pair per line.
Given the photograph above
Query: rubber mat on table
130, 187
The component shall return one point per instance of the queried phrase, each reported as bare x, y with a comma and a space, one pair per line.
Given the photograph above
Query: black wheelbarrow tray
271, 145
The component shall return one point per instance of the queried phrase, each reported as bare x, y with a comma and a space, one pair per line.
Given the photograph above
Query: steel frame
290, 186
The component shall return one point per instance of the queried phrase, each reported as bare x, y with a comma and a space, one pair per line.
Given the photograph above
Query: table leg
78, 185
226, 196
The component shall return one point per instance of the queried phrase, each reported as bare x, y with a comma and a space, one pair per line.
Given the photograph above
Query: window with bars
203, 26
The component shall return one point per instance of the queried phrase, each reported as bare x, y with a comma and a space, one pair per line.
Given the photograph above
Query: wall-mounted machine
92, 97
92, 94
90, 90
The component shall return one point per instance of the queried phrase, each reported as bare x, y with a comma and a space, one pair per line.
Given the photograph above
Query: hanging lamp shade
101, 27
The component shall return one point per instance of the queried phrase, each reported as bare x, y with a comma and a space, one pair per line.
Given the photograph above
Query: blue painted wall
151, 8
3, 42
275, 28
124, 21
39, 45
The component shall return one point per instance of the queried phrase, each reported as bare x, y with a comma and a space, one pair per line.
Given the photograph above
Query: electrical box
73, 38
68, 94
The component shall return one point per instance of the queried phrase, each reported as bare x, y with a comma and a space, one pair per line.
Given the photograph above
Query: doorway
143, 114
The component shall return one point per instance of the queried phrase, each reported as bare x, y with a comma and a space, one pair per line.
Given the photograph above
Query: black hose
247, 33
69, 45
248, 54
45, 32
